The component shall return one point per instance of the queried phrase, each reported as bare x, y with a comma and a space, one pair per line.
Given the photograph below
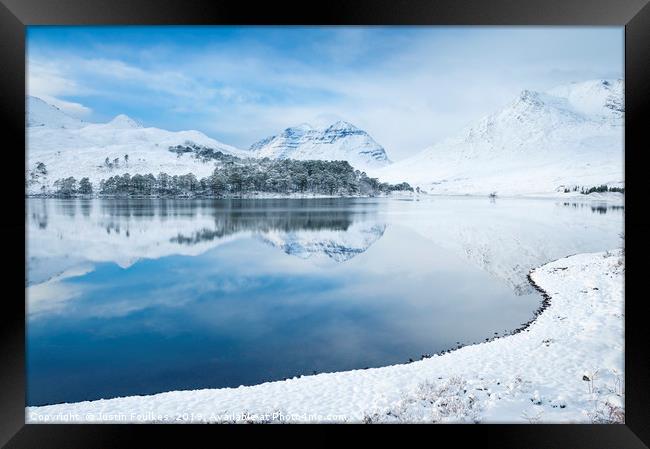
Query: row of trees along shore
248, 176
595, 189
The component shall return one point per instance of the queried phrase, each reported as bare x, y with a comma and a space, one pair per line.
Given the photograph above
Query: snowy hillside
339, 141
71, 147
540, 143
40, 113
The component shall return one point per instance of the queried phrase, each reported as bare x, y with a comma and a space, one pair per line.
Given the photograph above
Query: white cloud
48, 82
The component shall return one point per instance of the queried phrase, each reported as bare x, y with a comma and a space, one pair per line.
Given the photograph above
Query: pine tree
85, 187
66, 186
40, 168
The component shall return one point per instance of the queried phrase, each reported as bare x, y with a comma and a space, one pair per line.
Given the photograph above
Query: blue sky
407, 86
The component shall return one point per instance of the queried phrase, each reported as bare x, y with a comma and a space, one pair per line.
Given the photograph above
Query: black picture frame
634, 15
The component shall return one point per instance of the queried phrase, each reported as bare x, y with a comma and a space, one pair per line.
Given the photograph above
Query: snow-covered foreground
567, 366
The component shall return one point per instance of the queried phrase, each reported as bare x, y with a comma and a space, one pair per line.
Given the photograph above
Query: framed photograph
374, 212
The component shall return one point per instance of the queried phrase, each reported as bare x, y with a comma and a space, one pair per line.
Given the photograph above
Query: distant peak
298, 129
606, 84
601, 83
124, 121
530, 98
610, 83
595, 98
342, 125
527, 95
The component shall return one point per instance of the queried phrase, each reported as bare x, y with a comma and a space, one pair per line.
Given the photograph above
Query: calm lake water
128, 297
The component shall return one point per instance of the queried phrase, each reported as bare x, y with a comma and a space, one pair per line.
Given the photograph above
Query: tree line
601, 188
243, 177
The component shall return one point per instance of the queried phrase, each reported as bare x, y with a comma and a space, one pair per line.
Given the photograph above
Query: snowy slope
539, 143
534, 376
70, 147
40, 113
339, 141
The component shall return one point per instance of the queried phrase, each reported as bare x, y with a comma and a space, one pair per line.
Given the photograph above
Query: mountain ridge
72, 147
540, 142
41, 113
340, 140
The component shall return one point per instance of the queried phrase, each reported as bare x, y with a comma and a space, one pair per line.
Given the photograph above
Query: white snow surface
540, 143
537, 375
339, 141
71, 147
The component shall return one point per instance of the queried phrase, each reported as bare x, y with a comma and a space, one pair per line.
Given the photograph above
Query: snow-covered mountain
339, 141
541, 142
71, 147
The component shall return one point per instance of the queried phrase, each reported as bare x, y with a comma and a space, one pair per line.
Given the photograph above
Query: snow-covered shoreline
566, 366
